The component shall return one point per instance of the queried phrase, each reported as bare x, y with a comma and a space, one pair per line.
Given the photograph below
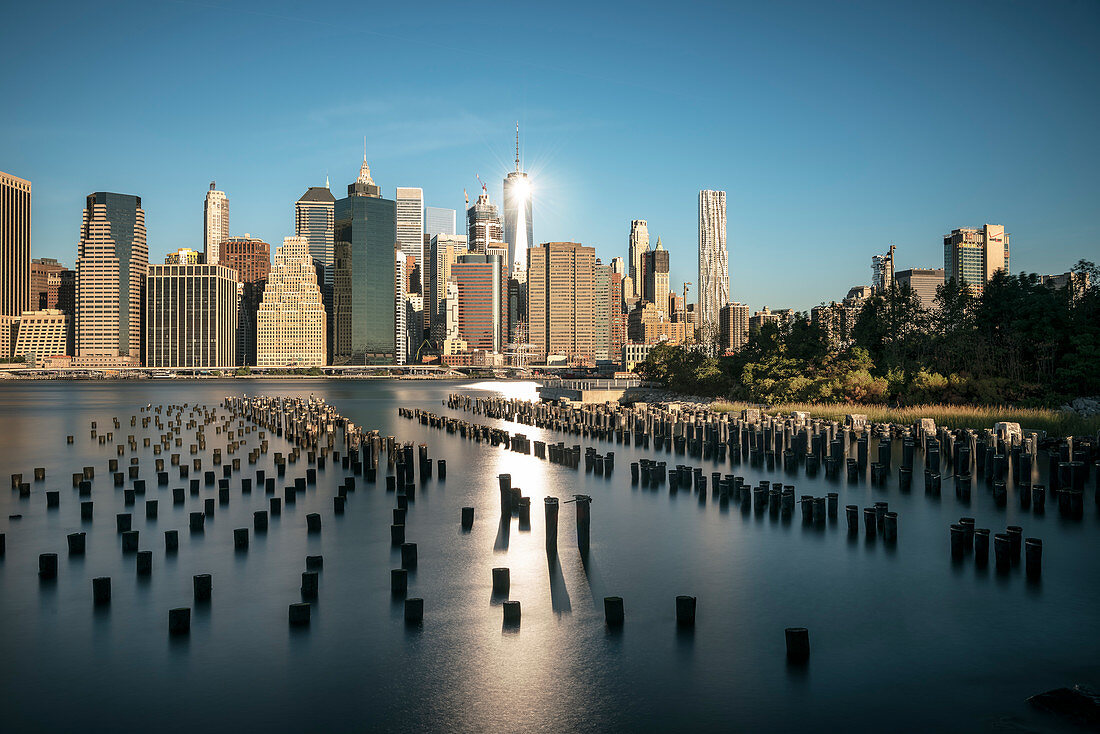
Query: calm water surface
901, 638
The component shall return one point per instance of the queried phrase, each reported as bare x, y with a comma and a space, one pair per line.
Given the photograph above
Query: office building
601, 312
440, 221
15, 245
972, 255
481, 311
215, 224
410, 223
560, 296
400, 327
483, 225
290, 322
43, 336
314, 221
250, 259
518, 228
647, 324
184, 256
111, 264
655, 267
364, 284
635, 354
882, 271
444, 252
638, 246
733, 327
924, 282
414, 325
52, 286
190, 316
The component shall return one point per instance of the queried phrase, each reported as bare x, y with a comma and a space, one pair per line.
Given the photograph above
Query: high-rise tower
111, 264
639, 245
714, 278
518, 230
15, 245
410, 224
215, 223
364, 285
971, 255
483, 224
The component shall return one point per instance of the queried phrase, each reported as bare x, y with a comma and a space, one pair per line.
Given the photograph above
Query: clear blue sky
835, 128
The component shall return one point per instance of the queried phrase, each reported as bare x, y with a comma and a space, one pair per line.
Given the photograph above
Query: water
901, 638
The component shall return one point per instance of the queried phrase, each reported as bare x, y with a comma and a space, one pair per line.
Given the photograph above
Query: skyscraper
882, 271
400, 327
518, 229
478, 279
190, 316
972, 255
559, 301
15, 245
290, 323
215, 223
483, 224
111, 264
639, 244
52, 286
250, 259
364, 297
601, 311
445, 250
313, 220
440, 221
714, 278
410, 223
655, 266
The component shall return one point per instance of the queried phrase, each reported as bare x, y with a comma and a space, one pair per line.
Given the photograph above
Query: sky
836, 129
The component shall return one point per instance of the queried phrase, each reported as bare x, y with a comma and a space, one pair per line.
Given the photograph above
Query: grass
1055, 422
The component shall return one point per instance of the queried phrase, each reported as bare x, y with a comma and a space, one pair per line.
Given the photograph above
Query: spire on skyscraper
517, 146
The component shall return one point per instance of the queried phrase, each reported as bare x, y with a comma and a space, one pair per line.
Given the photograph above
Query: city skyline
854, 174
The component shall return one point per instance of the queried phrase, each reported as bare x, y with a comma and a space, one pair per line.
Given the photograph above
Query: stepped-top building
290, 323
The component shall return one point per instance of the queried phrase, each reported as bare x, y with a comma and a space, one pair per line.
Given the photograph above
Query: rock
1077, 704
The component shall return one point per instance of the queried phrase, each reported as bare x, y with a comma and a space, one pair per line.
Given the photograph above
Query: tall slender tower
215, 223
410, 224
364, 287
483, 224
639, 245
714, 278
518, 230
111, 264
15, 245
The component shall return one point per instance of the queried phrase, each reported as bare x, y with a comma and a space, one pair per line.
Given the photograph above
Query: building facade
15, 245
250, 260
560, 294
410, 224
478, 280
364, 284
714, 278
215, 223
638, 246
924, 282
314, 221
733, 328
483, 225
184, 256
882, 271
655, 268
438, 220
43, 336
290, 322
444, 252
971, 255
190, 316
111, 264
52, 286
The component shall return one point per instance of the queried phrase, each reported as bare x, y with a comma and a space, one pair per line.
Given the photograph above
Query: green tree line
1020, 342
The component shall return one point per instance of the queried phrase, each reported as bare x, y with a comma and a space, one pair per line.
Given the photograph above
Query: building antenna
517, 146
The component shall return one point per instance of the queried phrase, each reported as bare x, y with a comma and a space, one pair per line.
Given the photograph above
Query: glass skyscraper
364, 288
440, 221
